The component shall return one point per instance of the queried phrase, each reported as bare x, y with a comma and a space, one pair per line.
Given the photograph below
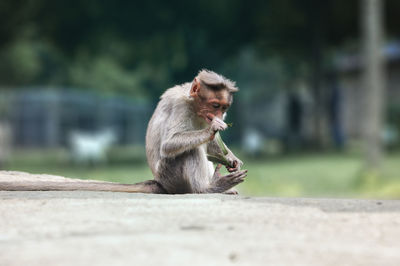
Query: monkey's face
211, 103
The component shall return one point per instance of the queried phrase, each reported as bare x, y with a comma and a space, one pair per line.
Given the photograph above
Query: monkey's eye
216, 105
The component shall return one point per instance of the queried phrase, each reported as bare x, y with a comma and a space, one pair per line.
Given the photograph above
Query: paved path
100, 228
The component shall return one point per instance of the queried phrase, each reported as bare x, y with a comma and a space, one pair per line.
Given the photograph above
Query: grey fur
177, 143
213, 80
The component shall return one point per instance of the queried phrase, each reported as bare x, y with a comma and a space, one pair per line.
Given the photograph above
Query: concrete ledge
100, 228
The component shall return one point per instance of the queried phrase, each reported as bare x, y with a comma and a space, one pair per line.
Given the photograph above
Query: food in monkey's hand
221, 157
220, 143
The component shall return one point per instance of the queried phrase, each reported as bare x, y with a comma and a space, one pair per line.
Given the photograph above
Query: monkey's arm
225, 156
183, 141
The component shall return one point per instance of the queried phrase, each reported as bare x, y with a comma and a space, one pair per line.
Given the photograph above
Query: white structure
91, 147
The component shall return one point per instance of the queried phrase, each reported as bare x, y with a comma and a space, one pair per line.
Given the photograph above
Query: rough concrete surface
102, 228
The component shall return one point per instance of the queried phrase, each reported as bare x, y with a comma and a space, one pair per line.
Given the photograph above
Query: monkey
180, 135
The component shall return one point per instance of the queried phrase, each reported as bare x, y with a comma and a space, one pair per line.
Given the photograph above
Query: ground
101, 228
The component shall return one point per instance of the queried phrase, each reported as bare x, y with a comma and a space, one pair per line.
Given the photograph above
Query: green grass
322, 175
327, 175
305, 175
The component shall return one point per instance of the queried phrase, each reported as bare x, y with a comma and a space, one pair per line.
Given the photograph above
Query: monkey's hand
234, 163
217, 124
221, 184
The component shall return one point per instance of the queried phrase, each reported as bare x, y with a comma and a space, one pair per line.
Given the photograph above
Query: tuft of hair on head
215, 81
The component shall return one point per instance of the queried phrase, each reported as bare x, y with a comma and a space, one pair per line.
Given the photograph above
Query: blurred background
317, 114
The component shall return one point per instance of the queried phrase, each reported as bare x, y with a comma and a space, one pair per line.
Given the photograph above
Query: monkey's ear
194, 90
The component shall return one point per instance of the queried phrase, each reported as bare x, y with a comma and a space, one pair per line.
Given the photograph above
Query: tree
374, 73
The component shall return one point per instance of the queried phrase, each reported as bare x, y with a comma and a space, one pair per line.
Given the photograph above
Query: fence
45, 118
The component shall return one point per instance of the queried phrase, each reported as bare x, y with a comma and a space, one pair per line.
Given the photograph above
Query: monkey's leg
150, 186
221, 184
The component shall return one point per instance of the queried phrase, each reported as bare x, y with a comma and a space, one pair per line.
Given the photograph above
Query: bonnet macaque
181, 134
179, 137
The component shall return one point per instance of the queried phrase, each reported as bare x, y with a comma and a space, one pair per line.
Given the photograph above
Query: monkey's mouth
209, 118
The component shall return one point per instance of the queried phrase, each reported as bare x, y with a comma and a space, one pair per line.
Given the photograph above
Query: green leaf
220, 143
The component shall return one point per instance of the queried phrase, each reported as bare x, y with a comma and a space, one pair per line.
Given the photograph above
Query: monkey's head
212, 95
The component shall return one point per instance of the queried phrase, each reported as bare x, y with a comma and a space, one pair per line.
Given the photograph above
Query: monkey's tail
149, 186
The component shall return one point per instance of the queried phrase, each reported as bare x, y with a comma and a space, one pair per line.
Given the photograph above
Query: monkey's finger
243, 171
224, 126
217, 127
233, 165
240, 178
231, 170
218, 167
221, 127
217, 119
236, 174
242, 175
220, 122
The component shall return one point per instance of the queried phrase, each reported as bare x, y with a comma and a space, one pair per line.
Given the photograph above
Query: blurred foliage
393, 114
140, 48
